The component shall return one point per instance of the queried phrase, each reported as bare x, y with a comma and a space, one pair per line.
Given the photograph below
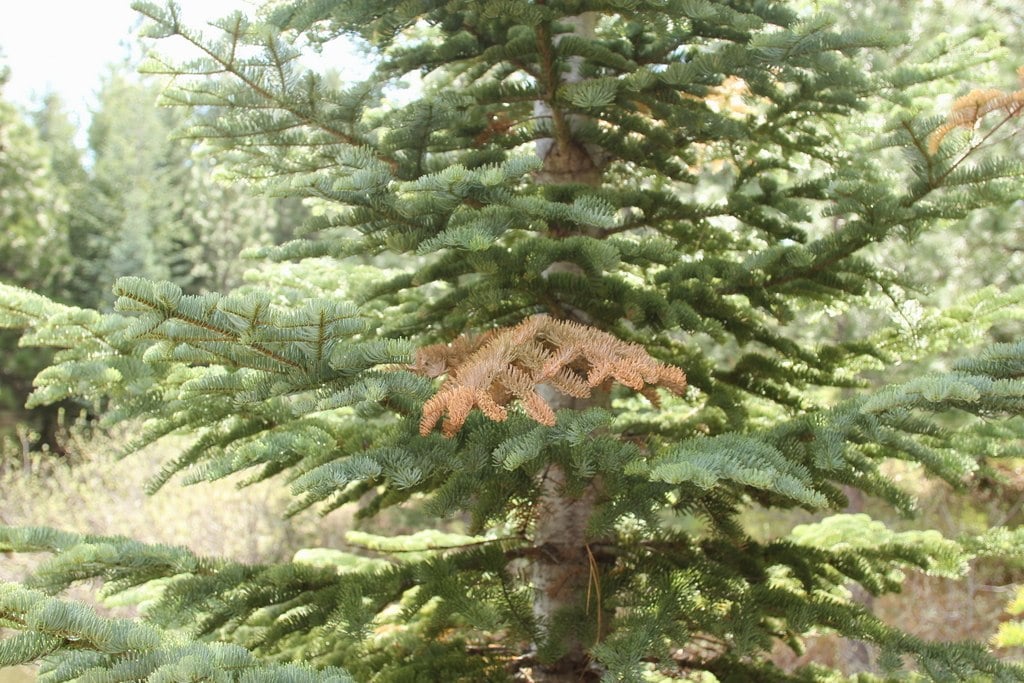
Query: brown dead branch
491, 370
968, 111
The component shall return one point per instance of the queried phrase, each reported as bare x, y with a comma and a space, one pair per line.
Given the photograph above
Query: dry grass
933, 608
96, 493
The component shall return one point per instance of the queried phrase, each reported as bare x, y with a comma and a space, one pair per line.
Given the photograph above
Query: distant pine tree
588, 201
153, 206
38, 165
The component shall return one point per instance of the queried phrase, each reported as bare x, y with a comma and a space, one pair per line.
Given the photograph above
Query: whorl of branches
969, 110
490, 370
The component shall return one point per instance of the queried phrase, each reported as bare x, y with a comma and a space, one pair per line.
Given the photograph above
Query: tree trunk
563, 572
562, 575
856, 655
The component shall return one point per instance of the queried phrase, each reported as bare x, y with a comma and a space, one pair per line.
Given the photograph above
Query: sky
65, 45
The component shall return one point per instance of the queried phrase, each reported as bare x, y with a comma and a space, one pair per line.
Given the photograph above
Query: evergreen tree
935, 261
57, 131
71, 231
617, 219
131, 215
34, 251
154, 207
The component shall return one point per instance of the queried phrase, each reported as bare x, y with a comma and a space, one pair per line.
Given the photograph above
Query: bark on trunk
563, 571
564, 574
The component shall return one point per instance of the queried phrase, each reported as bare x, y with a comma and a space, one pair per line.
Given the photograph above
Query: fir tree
154, 206
616, 220
35, 161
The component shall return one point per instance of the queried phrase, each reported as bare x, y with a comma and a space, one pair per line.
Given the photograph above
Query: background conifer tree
146, 204
152, 206
34, 250
616, 222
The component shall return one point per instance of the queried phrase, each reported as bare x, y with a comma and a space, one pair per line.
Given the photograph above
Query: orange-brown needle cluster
489, 371
967, 111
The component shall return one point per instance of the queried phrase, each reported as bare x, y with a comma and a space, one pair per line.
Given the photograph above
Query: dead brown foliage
491, 370
968, 111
